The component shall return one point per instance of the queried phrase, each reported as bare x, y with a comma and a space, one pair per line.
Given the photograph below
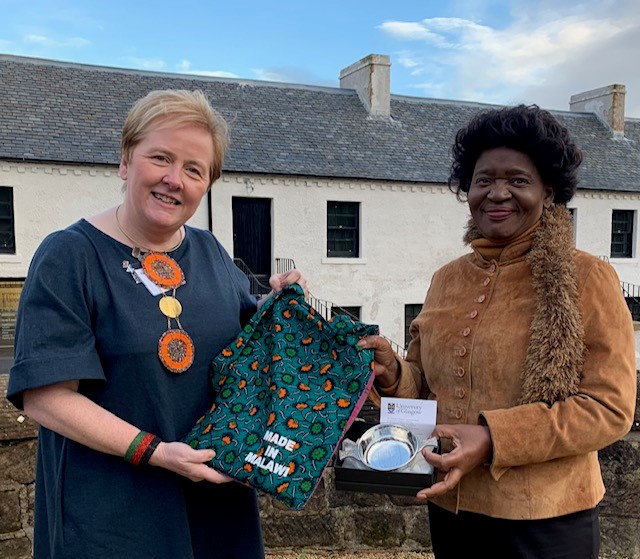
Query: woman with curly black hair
526, 344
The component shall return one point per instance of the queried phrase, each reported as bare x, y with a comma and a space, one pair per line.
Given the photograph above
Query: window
622, 234
9, 295
410, 312
352, 312
343, 229
7, 233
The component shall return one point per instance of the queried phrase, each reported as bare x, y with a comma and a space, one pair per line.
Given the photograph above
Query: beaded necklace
175, 347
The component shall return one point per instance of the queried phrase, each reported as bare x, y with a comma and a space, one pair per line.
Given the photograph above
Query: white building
348, 182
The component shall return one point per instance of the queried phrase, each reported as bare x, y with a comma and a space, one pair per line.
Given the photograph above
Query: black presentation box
373, 481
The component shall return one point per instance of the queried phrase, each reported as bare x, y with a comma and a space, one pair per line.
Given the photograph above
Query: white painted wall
407, 231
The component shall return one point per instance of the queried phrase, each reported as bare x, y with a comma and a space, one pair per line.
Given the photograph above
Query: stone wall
18, 439
336, 520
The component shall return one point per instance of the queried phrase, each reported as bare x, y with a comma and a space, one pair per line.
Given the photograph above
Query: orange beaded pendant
162, 270
176, 350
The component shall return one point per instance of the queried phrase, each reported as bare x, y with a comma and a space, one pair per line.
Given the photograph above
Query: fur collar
553, 365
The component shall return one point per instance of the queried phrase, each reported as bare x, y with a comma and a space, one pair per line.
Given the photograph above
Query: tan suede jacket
468, 349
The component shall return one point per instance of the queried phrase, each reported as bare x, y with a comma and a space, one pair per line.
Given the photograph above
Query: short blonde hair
180, 107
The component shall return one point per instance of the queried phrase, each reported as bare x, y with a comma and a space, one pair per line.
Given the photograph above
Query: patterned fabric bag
286, 390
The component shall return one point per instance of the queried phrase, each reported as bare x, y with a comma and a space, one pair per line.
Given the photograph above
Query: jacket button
460, 392
462, 351
466, 332
480, 299
458, 414
486, 281
493, 268
459, 371
473, 313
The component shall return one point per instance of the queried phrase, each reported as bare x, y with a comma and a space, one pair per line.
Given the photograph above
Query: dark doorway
252, 235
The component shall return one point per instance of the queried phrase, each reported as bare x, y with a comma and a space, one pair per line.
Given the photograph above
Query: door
252, 235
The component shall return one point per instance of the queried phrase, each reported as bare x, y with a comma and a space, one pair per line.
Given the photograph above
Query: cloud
276, 74
184, 67
407, 60
539, 52
156, 64
591, 68
413, 31
213, 73
290, 74
45, 41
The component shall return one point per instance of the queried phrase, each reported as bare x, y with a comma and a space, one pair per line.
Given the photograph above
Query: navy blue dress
82, 317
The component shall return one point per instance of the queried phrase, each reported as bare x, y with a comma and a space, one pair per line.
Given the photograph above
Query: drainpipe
209, 211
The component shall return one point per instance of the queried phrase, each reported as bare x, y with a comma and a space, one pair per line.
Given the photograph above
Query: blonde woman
120, 316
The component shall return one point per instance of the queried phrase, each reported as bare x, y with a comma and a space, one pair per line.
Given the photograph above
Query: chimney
370, 77
607, 103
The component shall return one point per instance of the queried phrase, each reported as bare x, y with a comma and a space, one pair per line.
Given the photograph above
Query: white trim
356, 261
11, 258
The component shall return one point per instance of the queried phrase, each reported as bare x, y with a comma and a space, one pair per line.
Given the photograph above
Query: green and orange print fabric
286, 390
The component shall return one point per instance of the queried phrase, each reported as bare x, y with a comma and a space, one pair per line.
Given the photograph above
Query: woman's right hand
188, 462
386, 366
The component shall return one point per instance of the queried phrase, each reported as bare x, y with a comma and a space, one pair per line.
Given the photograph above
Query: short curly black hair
527, 129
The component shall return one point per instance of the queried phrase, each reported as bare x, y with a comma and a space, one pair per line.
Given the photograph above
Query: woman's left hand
188, 462
278, 281
473, 447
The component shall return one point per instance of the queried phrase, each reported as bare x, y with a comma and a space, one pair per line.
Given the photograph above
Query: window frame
623, 233
338, 232
7, 221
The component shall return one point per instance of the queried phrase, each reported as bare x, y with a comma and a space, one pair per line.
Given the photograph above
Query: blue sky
493, 51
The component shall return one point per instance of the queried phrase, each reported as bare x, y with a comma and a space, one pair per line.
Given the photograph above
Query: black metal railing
284, 265
258, 284
631, 294
325, 308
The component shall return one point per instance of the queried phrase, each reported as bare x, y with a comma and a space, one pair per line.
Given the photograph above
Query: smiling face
167, 176
507, 195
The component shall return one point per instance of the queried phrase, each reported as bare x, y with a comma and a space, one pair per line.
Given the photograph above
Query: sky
489, 51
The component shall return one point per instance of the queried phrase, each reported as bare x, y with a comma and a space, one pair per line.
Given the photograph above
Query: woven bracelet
141, 448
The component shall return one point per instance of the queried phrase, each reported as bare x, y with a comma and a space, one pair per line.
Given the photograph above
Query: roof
73, 113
